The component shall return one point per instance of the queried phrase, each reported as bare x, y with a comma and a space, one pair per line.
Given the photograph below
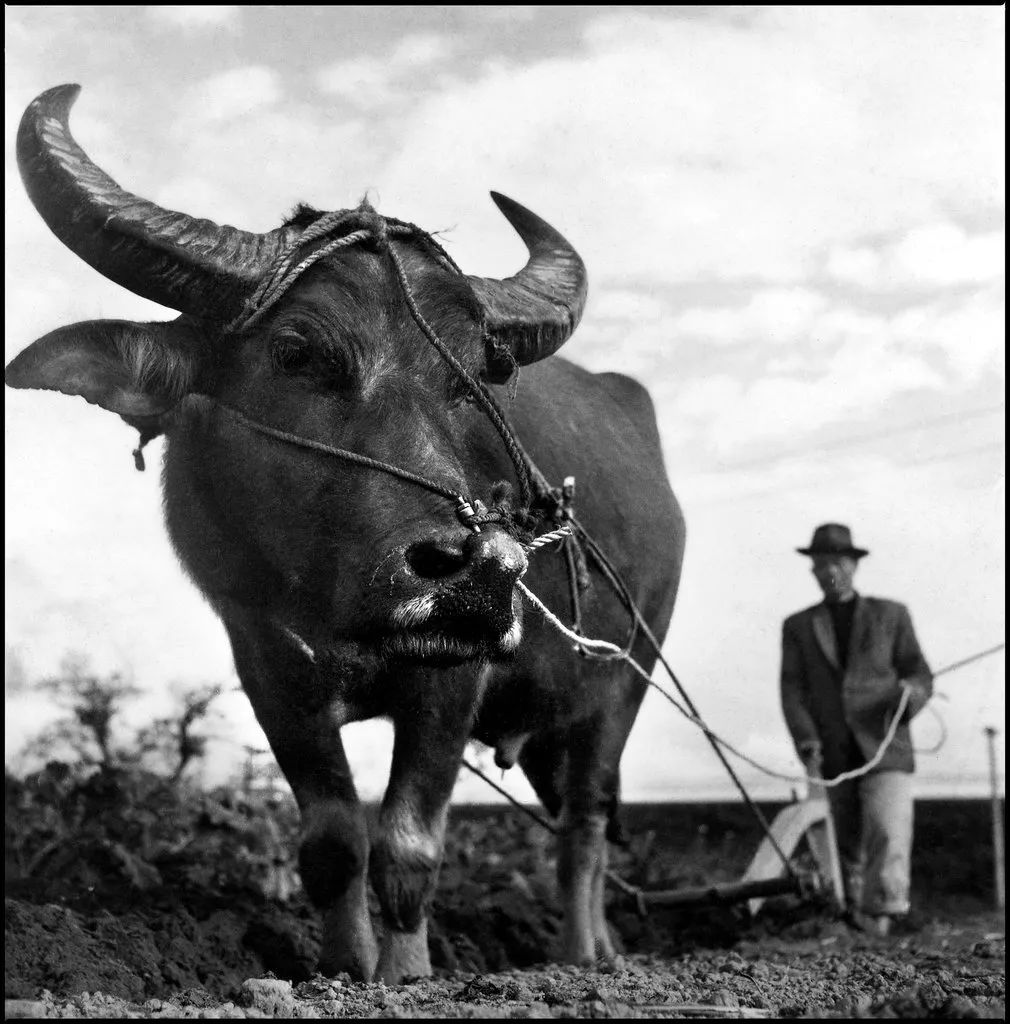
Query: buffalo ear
138, 370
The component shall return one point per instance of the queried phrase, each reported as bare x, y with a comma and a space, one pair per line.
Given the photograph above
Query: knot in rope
559, 507
518, 522
563, 498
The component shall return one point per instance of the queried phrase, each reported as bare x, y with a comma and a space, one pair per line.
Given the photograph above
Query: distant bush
91, 732
124, 830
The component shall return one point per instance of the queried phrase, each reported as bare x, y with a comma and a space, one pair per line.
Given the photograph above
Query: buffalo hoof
403, 955
349, 945
610, 963
356, 968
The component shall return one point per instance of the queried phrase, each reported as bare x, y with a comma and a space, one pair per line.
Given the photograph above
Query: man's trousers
873, 822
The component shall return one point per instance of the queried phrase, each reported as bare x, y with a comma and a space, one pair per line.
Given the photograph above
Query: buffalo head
334, 553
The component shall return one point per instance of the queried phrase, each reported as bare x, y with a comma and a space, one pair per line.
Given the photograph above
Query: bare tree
89, 731
174, 737
92, 703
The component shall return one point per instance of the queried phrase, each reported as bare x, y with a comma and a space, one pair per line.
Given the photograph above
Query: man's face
834, 576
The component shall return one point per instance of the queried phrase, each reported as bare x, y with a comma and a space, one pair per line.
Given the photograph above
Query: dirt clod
274, 997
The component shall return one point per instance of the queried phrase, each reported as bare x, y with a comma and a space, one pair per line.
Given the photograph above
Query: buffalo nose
495, 549
490, 551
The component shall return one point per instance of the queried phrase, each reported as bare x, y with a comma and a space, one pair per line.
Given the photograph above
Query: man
844, 665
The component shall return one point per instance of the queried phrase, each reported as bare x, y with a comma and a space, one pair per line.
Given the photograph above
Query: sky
793, 221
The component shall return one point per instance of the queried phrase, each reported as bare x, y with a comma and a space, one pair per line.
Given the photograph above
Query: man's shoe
880, 925
854, 919
907, 924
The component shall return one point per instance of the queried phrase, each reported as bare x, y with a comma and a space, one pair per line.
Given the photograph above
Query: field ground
120, 923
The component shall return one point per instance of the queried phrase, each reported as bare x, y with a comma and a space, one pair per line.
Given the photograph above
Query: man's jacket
822, 704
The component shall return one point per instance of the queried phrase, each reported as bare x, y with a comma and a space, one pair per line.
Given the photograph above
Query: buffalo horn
532, 314
188, 264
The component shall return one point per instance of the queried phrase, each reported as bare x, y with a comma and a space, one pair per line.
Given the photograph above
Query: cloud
795, 361
624, 304
418, 51
186, 16
857, 378
686, 150
512, 13
776, 316
727, 415
970, 333
365, 81
326, 162
378, 80
232, 94
940, 254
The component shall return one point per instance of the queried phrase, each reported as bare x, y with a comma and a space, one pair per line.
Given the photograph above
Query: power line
852, 441
798, 485
977, 450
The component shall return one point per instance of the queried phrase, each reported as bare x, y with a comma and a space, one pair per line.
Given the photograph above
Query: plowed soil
105, 932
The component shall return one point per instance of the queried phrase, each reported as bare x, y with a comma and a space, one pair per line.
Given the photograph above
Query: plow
805, 824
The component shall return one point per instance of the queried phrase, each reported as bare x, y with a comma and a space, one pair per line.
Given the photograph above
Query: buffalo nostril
434, 560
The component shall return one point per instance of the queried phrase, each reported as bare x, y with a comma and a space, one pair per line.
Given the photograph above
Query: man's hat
833, 539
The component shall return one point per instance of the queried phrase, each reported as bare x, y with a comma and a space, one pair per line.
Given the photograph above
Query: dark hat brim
854, 552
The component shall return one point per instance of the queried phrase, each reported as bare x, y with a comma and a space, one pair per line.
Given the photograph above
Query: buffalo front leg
304, 734
431, 730
333, 861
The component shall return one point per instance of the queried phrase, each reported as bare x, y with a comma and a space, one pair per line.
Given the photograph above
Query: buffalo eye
290, 352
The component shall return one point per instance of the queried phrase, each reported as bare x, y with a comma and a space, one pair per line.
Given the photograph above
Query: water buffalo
323, 394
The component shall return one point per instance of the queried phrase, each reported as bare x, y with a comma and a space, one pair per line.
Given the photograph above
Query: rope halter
342, 229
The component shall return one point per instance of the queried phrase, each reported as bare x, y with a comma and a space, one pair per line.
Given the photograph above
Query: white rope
938, 718
548, 538
855, 773
605, 651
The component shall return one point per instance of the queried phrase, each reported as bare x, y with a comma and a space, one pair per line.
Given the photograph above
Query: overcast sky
793, 224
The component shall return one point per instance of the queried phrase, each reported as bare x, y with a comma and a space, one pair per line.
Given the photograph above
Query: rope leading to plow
638, 622
612, 876
604, 650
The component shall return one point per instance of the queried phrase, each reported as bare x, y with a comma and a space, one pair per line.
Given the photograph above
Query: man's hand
918, 697
812, 758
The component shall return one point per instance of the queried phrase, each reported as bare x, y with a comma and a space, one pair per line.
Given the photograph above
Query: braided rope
478, 388
276, 284
548, 538
340, 453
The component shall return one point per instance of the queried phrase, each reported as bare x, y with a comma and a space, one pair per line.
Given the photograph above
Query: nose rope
480, 391
464, 510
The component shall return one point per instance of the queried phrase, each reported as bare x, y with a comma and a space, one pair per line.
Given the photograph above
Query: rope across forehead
332, 232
